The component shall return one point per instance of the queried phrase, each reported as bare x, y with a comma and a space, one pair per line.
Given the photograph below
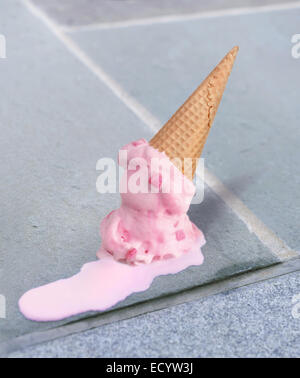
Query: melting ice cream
153, 225
149, 235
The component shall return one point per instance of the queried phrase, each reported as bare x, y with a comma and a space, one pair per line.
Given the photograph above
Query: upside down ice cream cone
150, 234
185, 134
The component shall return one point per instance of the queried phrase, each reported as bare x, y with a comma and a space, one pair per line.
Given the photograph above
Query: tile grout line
277, 246
181, 17
74, 49
264, 234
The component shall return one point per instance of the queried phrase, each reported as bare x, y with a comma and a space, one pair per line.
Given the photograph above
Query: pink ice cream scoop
153, 224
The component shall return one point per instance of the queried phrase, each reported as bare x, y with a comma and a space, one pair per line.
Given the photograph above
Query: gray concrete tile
255, 321
57, 120
254, 144
82, 12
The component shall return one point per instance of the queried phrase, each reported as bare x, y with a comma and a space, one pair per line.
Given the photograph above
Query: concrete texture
253, 146
260, 320
57, 120
81, 12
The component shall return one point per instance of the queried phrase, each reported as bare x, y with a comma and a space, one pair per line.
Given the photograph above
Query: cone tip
234, 50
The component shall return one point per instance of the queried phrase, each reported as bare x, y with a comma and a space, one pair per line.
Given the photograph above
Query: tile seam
171, 18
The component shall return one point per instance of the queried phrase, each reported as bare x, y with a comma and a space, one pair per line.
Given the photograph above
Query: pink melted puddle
99, 285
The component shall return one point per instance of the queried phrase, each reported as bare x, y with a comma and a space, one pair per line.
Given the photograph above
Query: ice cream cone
184, 135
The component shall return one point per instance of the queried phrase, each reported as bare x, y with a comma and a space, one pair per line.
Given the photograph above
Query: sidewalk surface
83, 78
253, 321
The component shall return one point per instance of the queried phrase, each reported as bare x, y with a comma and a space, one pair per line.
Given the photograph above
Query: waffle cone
185, 134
